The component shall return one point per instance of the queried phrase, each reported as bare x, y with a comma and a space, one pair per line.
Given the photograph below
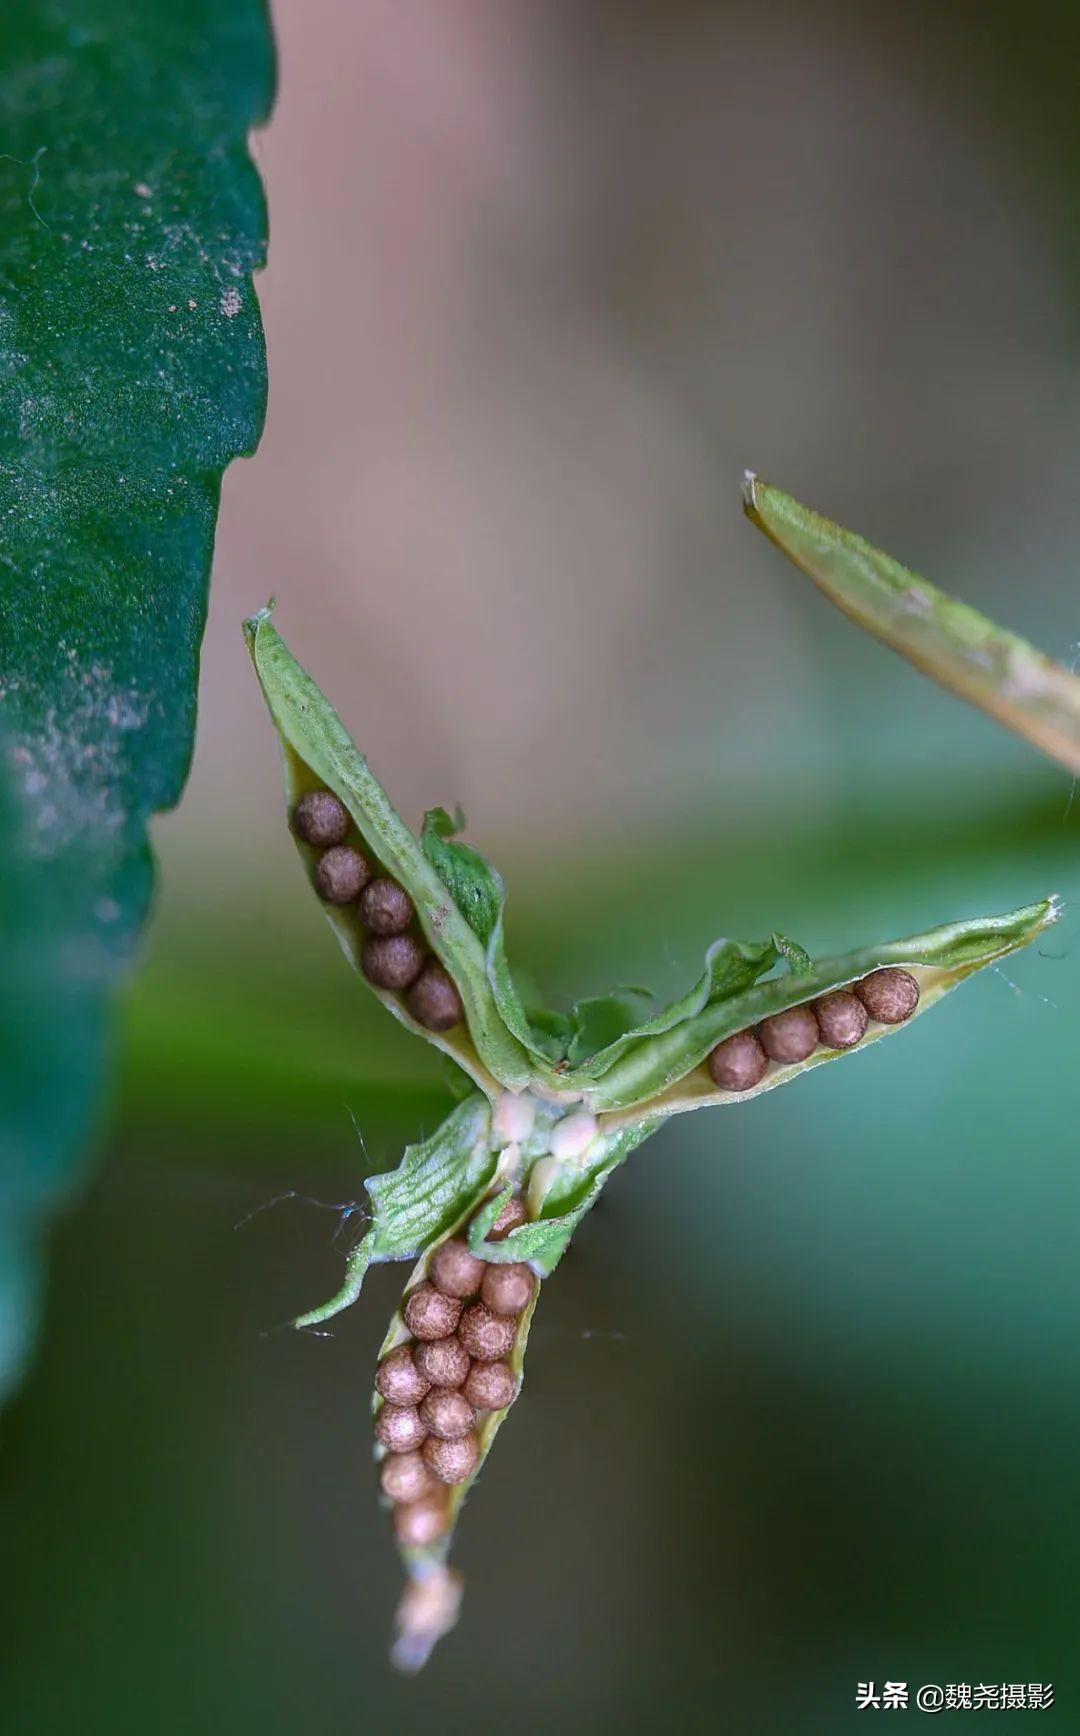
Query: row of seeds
837, 1020
463, 1320
393, 956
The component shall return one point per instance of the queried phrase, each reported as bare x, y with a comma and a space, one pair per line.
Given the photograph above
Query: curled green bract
555, 1102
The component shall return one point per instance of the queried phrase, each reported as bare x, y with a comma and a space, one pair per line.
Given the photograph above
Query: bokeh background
802, 1406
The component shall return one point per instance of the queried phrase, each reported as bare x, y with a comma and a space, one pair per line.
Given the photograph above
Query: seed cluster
463, 1319
392, 956
838, 1019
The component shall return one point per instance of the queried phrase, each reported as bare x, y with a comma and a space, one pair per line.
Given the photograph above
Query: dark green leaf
131, 371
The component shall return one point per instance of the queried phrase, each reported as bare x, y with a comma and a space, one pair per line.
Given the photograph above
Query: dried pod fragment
447, 1415
452, 1461
486, 1336
419, 1523
789, 1036
398, 1378
889, 995
340, 874
507, 1289
511, 1217
321, 818
739, 1062
429, 1314
490, 1385
385, 907
842, 1019
455, 1270
433, 999
444, 1361
405, 1477
398, 1427
391, 961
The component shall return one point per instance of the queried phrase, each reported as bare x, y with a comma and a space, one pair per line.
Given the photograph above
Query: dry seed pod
486, 1336
340, 874
739, 1062
429, 1314
447, 1415
391, 961
405, 1477
398, 1427
320, 818
841, 1018
444, 1361
889, 995
490, 1385
452, 1461
433, 999
399, 1379
789, 1036
454, 1270
385, 907
511, 1217
419, 1523
506, 1289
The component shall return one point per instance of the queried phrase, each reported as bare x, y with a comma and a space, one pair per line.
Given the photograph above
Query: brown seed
485, 1335
490, 1385
739, 1062
434, 1001
398, 1377
429, 1314
444, 1361
391, 961
340, 874
841, 1019
506, 1289
454, 1269
447, 1414
385, 907
320, 818
398, 1427
890, 996
404, 1476
419, 1523
512, 1216
451, 1461
789, 1036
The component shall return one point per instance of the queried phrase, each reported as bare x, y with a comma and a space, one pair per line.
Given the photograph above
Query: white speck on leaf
230, 303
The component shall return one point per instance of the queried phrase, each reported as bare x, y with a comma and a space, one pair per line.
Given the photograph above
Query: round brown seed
398, 1427
506, 1289
398, 1377
391, 961
789, 1036
418, 1523
512, 1216
451, 1461
447, 1414
485, 1335
739, 1062
455, 1269
429, 1314
889, 995
404, 1476
490, 1385
444, 1361
841, 1019
340, 874
433, 999
320, 818
385, 907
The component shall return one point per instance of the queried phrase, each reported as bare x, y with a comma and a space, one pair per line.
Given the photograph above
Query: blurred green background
802, 1406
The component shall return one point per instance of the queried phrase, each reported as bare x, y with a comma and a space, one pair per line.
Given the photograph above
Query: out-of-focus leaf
1003, 674
131, 371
